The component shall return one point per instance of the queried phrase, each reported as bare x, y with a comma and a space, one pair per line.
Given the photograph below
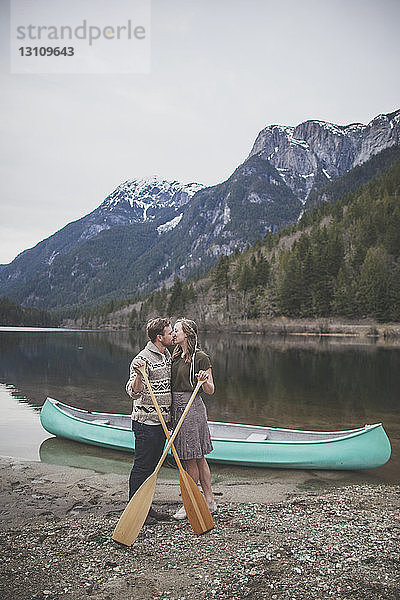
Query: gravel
337, 543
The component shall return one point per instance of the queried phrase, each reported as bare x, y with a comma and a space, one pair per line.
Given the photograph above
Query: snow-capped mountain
153, 205
148, 231
138, 201
147, 197
315, 152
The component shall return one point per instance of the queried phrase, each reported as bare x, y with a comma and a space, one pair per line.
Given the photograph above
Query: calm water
304, 383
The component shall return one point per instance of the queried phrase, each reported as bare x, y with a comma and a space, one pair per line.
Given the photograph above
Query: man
149, 434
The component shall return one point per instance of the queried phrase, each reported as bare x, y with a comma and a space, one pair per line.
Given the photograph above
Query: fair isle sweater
158, 369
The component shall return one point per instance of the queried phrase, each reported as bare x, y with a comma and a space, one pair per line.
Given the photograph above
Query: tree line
341, 260
15, 315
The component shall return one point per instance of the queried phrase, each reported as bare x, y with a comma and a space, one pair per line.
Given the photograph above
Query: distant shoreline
33, 329
280, 326
284, 326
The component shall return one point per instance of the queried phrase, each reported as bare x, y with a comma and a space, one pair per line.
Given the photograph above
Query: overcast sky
221, 70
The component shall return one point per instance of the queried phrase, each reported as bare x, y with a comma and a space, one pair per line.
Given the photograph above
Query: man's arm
134, 386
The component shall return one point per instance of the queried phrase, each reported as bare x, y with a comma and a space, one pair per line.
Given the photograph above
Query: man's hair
156, 327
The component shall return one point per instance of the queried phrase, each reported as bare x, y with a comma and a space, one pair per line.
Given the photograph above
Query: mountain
233, 214
148, 231
36, 276
342, 260
353, 179
313, 153
137, 201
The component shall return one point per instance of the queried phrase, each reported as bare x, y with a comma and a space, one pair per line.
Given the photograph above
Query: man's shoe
213, 508
180, 514
158, 516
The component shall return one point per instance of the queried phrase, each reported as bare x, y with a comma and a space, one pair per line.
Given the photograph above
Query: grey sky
221, 70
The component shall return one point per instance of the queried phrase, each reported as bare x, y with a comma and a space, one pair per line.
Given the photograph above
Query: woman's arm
208, 385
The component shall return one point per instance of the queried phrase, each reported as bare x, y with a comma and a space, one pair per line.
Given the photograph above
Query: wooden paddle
135, 513
197, 511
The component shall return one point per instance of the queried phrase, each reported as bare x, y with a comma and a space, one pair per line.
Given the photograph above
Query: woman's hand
207, 380
202, 376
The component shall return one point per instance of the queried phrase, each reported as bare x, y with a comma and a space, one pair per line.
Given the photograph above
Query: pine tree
246, 278
290, 288
394, 294
392, 233
343, 295
322, 284
374, 284
335, 251
262, 272
176, 302
308, 279
222, 279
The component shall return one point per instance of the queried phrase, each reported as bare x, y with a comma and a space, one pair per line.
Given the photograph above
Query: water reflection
305, 383
85, 369
56, 451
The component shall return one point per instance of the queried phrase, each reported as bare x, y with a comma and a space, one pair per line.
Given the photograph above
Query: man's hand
137, 363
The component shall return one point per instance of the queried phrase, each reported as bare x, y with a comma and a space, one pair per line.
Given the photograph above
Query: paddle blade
196, 508
135, 513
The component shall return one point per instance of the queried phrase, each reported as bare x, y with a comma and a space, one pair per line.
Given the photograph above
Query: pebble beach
341, 542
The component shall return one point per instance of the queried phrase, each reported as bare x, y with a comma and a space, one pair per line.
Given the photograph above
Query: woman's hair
189, 328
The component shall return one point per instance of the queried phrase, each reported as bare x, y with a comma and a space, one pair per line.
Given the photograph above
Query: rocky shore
56, 525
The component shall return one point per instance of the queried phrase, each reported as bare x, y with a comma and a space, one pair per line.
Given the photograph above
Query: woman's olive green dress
193, 439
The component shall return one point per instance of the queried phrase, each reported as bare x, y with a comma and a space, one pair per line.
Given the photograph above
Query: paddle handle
185, 484
177, 428
142, 369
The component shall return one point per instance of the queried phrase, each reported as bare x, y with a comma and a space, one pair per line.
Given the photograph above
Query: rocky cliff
315, 152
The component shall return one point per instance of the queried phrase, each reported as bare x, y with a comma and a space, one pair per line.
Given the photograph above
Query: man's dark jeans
149, 446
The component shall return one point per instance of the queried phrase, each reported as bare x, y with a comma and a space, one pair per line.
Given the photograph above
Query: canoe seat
101, 421
257, 437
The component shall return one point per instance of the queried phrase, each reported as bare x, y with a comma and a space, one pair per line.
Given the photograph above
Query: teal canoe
251, 445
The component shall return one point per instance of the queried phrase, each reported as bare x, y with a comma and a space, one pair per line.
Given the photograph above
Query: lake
300, 382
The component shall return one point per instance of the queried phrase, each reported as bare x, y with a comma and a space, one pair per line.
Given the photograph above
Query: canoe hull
59, 423
365, 451
364, 448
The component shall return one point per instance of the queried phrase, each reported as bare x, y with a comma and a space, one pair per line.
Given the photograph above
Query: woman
193, 440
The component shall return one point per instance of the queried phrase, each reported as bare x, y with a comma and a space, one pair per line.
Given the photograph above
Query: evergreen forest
341, 260
15, 315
